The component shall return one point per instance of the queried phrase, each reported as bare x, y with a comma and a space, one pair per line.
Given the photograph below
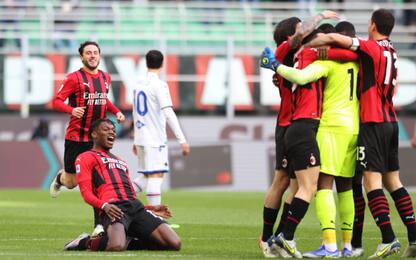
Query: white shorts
152, 159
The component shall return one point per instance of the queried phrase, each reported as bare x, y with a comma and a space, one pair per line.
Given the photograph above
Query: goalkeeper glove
268, 61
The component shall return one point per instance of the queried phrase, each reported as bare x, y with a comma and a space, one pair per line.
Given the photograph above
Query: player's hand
120, 117
162, 211
275, 80
268, 61
323, 52
328, 14
113, 212
78, 112
134, 150
185, 149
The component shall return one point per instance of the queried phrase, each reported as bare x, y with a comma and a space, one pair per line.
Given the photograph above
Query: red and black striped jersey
378, 73
87, 90
307, 99
103, 177
284, 54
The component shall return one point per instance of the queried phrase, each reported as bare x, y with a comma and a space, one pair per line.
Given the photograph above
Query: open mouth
111, 139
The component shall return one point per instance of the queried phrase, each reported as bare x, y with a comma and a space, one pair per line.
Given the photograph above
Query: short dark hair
345, 28
86, 43
154, 59
326, 28
94, 125
384, 21
284, 29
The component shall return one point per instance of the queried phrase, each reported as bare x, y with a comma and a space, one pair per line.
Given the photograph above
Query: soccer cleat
55, 187
267, 252
346, 252
75, 244
98, 231
384, 250
321, 253
410, 250
285, 248
357, 251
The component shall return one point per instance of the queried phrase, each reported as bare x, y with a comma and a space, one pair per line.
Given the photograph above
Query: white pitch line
98, 254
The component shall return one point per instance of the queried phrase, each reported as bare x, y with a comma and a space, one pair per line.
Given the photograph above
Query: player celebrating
152, 107
378, 138
337, 140
105, 184
87, 90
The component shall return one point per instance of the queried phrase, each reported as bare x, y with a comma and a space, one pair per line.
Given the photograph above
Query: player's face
91, 57
106, 135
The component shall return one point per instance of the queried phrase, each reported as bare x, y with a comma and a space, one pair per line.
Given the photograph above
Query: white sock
140, 183
348, 246
331, 247
153, 191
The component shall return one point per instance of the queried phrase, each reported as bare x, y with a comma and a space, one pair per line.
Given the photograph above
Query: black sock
269, 218
297, 211
404, 206
97, 219
379, 207
359, 207
283, 219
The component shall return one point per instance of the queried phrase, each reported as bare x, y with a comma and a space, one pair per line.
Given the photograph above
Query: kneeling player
104, 183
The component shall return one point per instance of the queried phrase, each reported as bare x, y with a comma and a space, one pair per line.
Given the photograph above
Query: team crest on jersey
312, 159
139, 124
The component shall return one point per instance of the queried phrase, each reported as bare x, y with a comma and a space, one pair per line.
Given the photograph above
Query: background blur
226, 105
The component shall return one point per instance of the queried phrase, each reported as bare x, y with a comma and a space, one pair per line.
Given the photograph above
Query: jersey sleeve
67, 88
83, 166
341, 55
368, 46
311, 73
163, 96
282, 50
112, 108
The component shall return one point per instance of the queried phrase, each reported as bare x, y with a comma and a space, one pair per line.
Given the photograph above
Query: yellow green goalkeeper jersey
340, 108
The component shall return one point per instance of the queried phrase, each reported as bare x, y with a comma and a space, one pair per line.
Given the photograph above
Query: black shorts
72, 150
281, 157
137, 221
301, 146
378, 147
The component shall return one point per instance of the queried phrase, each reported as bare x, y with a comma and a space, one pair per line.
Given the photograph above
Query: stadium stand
183, 25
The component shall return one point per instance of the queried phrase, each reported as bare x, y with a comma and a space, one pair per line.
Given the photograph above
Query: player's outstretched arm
311, 73
308, 26
173, 123
329, 39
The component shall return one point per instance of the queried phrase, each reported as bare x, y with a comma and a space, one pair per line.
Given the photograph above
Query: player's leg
293, 188
346, 212
404, 206
272, 202
372, 154
166, 238
67, 176
359, 211
154, 188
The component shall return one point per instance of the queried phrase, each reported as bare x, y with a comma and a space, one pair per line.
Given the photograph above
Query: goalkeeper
337, 140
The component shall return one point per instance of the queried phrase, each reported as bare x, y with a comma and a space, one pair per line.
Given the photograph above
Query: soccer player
337, 140
86, 90
301, 143
105, 184
287, 36
378, 139
152, 107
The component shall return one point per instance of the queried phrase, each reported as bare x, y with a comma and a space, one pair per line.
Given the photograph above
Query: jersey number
388, 67
141, 103
351, 72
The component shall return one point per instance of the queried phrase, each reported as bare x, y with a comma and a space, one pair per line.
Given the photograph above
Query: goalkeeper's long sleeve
311, 73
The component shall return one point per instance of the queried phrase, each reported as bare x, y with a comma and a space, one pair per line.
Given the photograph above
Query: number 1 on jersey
351, 72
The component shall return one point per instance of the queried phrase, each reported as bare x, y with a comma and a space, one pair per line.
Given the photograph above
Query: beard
85, 62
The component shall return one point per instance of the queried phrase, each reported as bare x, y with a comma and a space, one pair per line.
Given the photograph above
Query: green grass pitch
214, 225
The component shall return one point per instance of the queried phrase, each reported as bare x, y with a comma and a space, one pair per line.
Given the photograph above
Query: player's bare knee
115, 247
